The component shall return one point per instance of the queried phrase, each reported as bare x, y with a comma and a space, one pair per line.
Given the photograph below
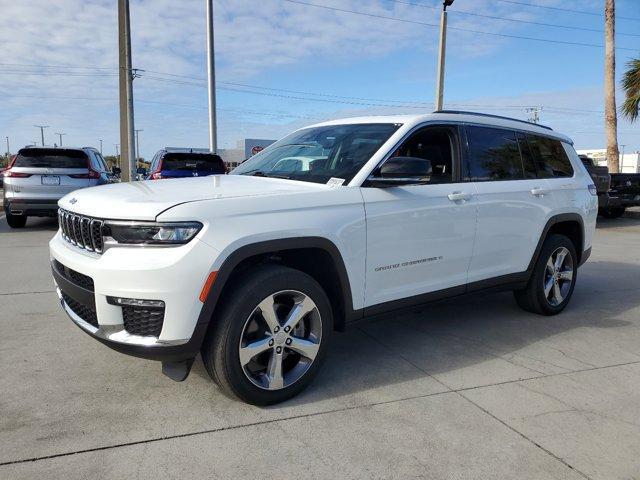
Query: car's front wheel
270, 336
553, 279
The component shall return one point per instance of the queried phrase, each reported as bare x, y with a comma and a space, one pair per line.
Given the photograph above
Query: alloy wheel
280, 340
558, 276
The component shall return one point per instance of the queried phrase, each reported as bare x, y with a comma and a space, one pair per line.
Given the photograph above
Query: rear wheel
553, 279
614, 212
15, 221
271, 336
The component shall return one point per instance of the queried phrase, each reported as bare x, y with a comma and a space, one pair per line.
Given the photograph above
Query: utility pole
8, 149
622, 156
534, 114
42, 127
117, 152
100, 146
211, 80
60, 136
127, 159
138, 145
442, 55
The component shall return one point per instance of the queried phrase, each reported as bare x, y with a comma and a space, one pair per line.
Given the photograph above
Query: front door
420, 237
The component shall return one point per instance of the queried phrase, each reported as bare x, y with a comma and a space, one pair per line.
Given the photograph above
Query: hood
146, 200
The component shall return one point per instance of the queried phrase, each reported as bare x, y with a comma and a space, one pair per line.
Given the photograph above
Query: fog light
135, 302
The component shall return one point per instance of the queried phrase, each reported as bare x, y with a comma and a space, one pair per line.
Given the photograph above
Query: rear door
513, 203
50, 173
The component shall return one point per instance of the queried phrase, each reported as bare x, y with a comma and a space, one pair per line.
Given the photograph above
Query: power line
479, 32
561, 9
515, 20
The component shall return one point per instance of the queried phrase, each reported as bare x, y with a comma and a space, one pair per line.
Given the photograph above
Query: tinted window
433, 144
493, 154
51, 158
193, 162
528, 162
550, 157
324, 152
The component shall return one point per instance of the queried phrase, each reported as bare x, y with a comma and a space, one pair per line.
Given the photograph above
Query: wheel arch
316, 256
568, 224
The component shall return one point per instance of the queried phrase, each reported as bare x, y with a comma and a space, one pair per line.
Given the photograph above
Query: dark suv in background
171, 162
608, 201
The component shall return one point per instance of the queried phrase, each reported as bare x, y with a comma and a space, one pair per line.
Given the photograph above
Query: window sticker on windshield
335, 182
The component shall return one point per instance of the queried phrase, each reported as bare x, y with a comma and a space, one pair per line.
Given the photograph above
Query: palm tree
610, 114
631, 86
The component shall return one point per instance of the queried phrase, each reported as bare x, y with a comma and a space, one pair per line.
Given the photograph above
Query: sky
284, 64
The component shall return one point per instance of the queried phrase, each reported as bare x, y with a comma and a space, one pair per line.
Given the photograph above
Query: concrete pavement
471, 388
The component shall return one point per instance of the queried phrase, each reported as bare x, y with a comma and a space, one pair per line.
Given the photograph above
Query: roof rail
489, 115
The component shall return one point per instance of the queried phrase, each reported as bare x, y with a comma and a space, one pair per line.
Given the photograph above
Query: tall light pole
60, 136
42, 127
442, 54
100, 146
127, 160
211, 80
117, 152
138, 145
8, 149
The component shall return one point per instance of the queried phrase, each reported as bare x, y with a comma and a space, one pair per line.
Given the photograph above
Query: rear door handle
459, 197
539, 192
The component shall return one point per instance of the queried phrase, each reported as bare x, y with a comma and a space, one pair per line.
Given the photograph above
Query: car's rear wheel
553, 279
615, 212
15, 221
270, 337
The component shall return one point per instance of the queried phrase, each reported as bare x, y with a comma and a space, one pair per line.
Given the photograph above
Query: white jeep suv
254, 270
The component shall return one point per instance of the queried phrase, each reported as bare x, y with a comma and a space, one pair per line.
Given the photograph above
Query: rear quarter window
43, 158
550, 157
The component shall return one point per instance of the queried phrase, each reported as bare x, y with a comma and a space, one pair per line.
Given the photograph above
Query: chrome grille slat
81, 231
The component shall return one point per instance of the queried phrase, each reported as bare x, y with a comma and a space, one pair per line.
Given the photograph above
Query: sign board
255, 145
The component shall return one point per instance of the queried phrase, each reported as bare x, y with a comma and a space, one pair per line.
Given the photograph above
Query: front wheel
271, 335
553, 279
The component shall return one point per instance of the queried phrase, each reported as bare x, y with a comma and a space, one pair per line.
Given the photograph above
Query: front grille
81, 231
146, 322
77, 278
87, 314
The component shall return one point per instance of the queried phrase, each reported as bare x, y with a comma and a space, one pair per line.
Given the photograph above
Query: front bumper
167, 274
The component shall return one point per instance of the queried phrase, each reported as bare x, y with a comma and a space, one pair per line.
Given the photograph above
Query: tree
631, 86
610, 113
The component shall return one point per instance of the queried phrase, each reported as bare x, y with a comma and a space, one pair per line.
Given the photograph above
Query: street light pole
42, 127
60, 136
8, 149
211, 80
100, 146
441, 55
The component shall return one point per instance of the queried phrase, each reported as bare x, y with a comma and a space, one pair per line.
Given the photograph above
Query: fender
563, 217
278, 245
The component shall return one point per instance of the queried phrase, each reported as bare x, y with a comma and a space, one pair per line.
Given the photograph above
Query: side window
528, 162
550, 157
436, 144
493, 154
102, 162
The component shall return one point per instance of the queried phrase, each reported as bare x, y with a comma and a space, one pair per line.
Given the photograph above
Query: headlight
141, 233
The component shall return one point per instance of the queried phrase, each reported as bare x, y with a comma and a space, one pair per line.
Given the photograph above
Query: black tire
15, 221
614, 212
221, 347
533, 297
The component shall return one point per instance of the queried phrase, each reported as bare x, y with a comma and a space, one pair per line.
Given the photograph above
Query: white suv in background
254, 270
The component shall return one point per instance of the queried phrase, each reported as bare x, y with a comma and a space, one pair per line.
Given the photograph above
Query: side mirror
141, 171
116, 170
402, 171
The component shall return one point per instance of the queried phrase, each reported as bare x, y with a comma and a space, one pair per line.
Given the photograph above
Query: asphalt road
468, 389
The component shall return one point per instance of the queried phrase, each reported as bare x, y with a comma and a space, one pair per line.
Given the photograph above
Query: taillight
9, 174
593, 190
90, 174
156, 176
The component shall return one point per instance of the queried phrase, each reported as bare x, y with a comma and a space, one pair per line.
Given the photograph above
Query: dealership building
244, 149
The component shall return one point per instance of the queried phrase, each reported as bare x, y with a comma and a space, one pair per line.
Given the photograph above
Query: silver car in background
39, 176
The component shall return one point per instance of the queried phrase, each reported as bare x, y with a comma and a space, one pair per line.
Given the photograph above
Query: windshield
54, 158
320, 153
193, 162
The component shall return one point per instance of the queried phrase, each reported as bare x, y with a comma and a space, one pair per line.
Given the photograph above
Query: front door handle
539, 192
459, 197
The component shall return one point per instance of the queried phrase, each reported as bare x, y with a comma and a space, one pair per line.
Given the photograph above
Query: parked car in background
39, 176
625, 186
171, 162
255, 271
608, 201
